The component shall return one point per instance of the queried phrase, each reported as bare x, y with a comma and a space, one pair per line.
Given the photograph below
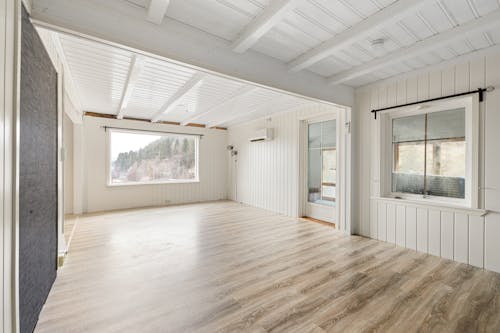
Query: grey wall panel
37, 177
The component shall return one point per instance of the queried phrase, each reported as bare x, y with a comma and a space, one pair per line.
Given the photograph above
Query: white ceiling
101, 74
309, 24
328, 41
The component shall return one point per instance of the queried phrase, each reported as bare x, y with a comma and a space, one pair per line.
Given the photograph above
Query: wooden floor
226, 267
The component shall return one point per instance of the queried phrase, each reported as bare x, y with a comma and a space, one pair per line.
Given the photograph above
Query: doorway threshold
326, 223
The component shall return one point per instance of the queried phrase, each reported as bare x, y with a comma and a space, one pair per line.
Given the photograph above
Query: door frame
10, 56
343, 146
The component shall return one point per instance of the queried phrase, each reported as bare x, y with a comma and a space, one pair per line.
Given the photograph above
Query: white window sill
153, 183
433, 204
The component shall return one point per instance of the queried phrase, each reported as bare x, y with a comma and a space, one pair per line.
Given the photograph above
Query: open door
38, 176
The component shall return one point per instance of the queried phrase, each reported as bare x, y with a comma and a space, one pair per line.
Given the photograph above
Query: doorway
322, 169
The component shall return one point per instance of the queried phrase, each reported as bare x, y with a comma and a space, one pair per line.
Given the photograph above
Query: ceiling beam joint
265, 21
194, 82
157, 10
381, 19
136, 66
244, 91
427, 45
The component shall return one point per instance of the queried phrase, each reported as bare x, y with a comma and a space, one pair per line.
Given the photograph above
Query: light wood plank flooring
227, 267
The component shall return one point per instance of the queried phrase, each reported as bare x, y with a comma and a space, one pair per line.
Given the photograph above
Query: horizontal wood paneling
438, 231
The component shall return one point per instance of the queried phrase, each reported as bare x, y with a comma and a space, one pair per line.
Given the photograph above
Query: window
429, 154
433, 151
149, 157
322, 168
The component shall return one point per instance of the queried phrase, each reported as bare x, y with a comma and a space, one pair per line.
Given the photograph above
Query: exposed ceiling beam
383, 18
270, 16
180, 43
136, 67
157, 10
265, 105
446, 64
245, 90
278, 111
426, 45
173, 101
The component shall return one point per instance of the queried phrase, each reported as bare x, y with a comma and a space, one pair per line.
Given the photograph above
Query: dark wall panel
37, 177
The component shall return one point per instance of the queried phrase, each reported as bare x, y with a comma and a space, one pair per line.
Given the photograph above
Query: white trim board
10, 21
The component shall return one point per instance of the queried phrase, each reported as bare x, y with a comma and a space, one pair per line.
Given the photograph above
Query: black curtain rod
479, 91
150, 131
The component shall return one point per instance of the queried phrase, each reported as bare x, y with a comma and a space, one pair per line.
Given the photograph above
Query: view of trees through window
429, 152
147, 157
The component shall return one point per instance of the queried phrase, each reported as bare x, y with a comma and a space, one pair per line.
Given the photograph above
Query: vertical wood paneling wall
463, 236
266, 174
100, 197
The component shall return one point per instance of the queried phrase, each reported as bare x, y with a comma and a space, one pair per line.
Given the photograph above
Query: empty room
250, 166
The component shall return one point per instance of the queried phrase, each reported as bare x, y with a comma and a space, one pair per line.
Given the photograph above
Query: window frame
471, 105
109, 180
315, 120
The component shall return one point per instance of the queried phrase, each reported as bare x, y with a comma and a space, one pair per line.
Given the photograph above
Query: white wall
459, 235
68, 164
97, 196
266, 174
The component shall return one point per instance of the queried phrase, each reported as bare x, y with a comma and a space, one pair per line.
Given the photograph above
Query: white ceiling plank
383, 18
429, 44
264, 22
447, 13
136, 67
473, 8
173, 101
71, 88
244, 91
181, 43
157, 10
446, 64
230, 117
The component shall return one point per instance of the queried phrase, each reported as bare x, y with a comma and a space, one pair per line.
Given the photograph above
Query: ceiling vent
265, 134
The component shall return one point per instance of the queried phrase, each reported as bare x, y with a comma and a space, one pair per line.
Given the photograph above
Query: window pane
329, 174
315, 135
329, 166
446, 124
314, 177
328, 134
408, 129
408, 170
446, 168
138, 157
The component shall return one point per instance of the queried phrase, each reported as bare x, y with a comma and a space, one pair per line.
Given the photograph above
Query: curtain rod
479, 91
150, 131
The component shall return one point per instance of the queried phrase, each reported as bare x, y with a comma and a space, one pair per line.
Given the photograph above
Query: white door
322, 170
